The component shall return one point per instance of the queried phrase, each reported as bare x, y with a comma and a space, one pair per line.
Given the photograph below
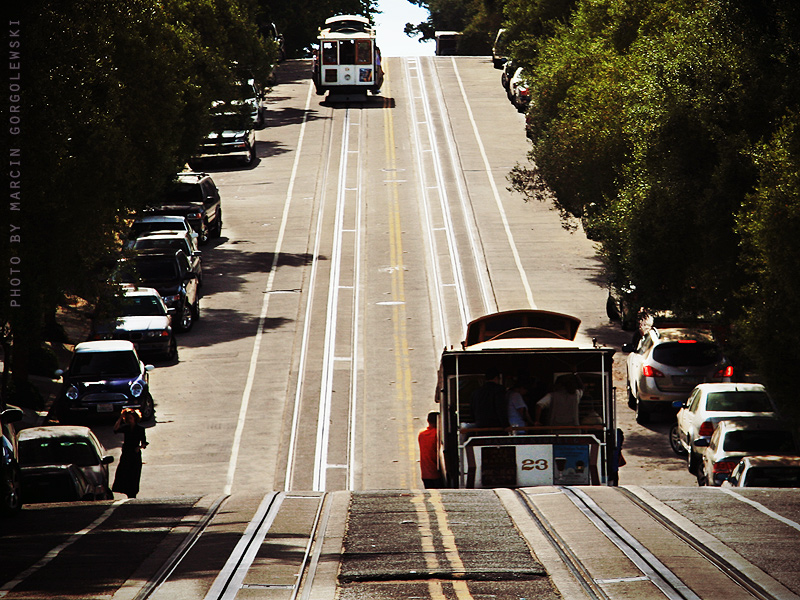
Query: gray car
667, 364
45, 451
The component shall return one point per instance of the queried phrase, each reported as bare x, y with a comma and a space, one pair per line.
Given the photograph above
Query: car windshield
142, 306
737, 401
681, 354
182, 192
758, 441
120, 363
176, 243
773, 477
233, 121
57, 451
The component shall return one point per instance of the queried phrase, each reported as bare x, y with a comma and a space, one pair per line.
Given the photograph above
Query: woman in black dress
129, 470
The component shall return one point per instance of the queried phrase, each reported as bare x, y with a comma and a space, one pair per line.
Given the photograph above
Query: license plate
105, 408
687, 381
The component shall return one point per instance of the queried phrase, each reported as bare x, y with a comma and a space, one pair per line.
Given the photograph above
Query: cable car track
652, 569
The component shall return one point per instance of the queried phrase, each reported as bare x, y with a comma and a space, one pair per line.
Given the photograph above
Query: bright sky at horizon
390, 24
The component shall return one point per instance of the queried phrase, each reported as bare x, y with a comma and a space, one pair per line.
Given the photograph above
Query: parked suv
104, 377
711, 403
170, 273
195, 197
667, 364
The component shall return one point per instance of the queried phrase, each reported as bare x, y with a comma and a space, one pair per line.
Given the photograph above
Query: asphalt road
361, 242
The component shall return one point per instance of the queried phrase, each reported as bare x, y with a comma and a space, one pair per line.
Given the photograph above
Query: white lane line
251, 373
47, 558
495, 192
763, 509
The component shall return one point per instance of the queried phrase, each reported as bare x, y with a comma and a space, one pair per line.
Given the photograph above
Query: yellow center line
407, 438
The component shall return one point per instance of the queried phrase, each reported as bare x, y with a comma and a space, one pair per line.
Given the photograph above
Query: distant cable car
447, 43
347, 64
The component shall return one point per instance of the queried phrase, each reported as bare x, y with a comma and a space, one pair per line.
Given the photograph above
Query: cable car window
363, 52
347, 52
329, 53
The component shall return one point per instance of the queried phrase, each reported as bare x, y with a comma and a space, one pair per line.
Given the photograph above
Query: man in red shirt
428, 454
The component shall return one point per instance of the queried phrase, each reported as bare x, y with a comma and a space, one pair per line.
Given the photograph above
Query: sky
390, 23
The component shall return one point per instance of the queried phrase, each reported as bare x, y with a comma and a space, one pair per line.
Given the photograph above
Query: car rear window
142, 306
759, 442
182, 192
773, 477
157, 270
175, 243
677, 354
738, 401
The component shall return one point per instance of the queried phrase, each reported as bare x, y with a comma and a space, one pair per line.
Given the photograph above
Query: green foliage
669, 128
299, 21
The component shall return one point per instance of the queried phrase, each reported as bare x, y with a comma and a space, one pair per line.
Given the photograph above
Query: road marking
403, 391
495, 193
47, 558
763, 509
251, 373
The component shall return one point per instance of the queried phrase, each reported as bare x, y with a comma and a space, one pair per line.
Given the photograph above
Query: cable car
543, 347
347, 63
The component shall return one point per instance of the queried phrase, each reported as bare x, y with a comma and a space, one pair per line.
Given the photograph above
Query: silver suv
667, 364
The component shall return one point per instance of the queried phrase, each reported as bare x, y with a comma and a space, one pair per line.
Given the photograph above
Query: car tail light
726, 372
725, 467
706, 429
687, 341
649, 371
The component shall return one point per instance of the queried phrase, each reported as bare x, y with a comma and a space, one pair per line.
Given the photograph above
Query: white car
711, 403
733, 439
765, 471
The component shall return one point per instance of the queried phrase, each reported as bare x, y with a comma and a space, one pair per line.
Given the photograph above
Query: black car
10, 477
195, 197
233, 135
169, 272
103, 377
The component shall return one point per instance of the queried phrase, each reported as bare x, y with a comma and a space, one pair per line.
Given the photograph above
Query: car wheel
642, 414
702, 480
172, 351
196, 310
187, 317
675, 441
204, 232
694, 463
250, 158
631, 397
12, 493
218, 224
148, 408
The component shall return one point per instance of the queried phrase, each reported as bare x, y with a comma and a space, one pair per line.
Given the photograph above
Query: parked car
667, 364
42, 448
500, 49
765, 471
232, 135
711, 403
55, 483
173, 240
140, 316
509, 69
171, 274
195, 197
10, 476
103, 377
518, 91
151, 223
734, 439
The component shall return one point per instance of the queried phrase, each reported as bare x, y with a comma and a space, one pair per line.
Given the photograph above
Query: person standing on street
428, 453
129, 471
